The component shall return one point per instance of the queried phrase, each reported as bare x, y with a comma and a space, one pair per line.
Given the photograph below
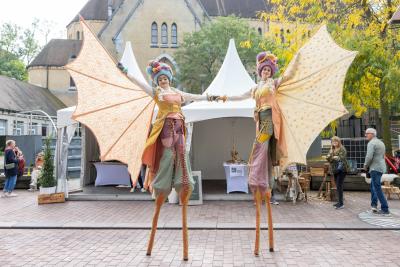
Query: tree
201, 54
12, 67
372, 80
17, 48
46, 178
30, 45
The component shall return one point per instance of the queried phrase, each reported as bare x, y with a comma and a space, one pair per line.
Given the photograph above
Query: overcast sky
22, 12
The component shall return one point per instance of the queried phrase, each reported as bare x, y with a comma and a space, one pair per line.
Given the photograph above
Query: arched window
78, 35
174, 34
259, 31
164, 34
154, 33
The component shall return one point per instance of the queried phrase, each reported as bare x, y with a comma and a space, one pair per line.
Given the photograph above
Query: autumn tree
372, 80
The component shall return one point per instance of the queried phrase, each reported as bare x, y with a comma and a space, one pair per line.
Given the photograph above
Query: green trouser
170, 172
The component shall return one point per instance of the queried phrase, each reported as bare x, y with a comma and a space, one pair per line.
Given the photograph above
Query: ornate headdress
156, 69
265, 59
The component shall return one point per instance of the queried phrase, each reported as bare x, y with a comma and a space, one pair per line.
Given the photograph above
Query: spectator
21, 163
36, 171
10, 168
376, 166
337, 157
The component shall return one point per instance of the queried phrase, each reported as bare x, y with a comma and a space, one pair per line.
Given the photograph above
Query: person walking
376, 166
10, 169
337, 157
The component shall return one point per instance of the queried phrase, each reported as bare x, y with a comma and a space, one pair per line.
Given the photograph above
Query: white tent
232, 79
219, 126
129, 61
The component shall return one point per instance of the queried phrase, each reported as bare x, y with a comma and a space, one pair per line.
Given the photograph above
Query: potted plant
46, 178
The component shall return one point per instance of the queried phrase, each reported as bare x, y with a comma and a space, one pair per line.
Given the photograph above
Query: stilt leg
270, 226
185, 199
258, 200
159, 201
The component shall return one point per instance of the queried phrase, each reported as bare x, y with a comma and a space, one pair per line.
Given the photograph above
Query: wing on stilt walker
312, 97
117, 111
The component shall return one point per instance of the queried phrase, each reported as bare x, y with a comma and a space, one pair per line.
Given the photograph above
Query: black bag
338, 166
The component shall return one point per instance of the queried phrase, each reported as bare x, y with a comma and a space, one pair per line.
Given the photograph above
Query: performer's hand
223, 98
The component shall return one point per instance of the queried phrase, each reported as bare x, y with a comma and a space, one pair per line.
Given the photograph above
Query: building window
18, 128
3, 127
259, 31
78, 35
44, 129
174, 34
164, 34
34, 130
154, 34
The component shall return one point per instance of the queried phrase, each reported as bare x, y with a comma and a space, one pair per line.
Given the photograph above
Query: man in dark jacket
10, 168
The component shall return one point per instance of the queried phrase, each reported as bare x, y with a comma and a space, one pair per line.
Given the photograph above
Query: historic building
154, 27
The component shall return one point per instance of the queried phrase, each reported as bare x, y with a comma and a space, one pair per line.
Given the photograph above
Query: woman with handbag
339, 167
10, 169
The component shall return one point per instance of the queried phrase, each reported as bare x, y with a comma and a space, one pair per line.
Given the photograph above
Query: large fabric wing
312, 97
117, 111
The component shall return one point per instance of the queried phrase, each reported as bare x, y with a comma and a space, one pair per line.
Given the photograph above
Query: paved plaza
115, 233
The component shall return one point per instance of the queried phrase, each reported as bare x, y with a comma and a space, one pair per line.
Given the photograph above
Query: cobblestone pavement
206, 248
23, 210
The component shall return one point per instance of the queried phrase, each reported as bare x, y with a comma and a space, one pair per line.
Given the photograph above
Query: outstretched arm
146, 87
187, 97
244, 96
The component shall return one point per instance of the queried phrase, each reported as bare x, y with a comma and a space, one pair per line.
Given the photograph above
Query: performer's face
266, 73
163, 81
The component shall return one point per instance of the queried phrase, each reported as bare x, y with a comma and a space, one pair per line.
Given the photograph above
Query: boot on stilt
258, 200
159, 201
269, 218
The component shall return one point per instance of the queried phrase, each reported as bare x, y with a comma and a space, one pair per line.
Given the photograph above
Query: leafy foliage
372, 80
46, 178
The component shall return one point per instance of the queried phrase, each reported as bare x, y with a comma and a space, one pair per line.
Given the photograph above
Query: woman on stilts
269, 144
165, 154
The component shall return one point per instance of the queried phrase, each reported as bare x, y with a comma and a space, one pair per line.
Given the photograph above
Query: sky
57, 13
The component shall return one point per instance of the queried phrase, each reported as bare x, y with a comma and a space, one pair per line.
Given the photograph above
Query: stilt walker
165, 153
119, 114
291, 111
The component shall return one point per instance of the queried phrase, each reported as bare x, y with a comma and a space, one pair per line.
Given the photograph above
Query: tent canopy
129, 61
232, 79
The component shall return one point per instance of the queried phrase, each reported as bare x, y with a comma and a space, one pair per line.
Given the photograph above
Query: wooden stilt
258, 200
185, 199
270, 225
159, 201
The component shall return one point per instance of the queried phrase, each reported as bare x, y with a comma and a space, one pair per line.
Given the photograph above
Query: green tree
201, 54
46, 178
372, 81
12, 67
30, 46
17, 47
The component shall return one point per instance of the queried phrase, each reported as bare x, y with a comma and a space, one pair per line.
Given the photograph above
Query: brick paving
206, 248
23, 210
210, 247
